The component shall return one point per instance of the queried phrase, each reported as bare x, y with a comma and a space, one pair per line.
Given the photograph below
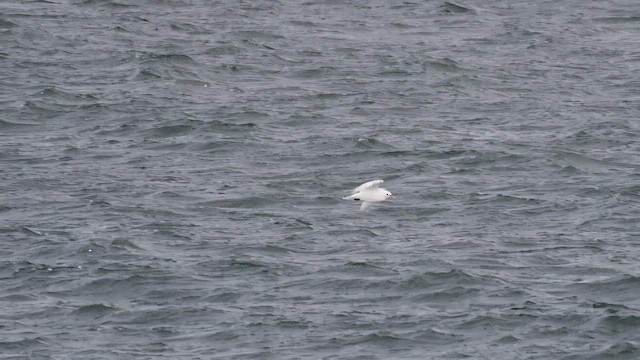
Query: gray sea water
171, 177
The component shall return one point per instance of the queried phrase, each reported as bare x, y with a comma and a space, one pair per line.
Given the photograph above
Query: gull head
388, 195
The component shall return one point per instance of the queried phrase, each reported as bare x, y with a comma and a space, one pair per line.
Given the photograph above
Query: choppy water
172, 174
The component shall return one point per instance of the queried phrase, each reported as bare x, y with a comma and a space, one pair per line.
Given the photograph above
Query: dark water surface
172, 174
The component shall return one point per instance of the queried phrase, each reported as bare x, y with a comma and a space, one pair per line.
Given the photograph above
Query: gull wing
365, 205
368, 185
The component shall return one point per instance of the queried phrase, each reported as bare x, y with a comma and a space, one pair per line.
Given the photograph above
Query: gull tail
351, 197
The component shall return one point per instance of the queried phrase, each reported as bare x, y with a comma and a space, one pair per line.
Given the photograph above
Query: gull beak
393, 197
